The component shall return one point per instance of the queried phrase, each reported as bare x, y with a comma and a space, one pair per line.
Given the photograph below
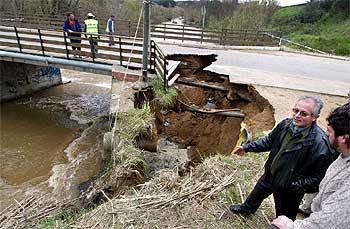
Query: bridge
21, 41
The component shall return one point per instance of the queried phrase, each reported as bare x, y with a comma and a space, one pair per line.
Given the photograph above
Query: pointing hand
239, 151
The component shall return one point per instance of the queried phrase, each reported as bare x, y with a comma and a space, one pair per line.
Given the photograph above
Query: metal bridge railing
59, 44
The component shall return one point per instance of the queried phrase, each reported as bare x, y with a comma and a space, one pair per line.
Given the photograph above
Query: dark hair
68, 14
339, 120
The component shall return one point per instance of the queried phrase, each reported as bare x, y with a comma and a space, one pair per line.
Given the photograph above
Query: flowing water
52, 141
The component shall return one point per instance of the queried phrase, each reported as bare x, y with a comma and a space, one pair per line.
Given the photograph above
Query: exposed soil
208, 134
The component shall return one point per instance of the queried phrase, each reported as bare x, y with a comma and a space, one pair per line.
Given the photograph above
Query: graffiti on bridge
49, 72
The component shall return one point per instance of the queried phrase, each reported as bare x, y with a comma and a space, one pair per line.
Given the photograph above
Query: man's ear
344, 138
315, 117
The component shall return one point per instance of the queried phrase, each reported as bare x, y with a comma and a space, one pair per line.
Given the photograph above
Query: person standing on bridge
73, 29
298, 160
92, 30
110, 29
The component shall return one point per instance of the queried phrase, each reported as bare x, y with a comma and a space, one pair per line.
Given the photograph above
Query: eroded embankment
207, 134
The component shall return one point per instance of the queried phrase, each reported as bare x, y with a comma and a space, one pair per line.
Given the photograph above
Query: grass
134, 122
194, 212
166, 98
131, 125
329, 34
65, 219
286, 13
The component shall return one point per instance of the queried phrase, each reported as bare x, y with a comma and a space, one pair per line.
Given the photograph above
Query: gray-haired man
298, 160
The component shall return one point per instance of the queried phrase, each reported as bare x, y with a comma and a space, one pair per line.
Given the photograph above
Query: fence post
280, 42
154, 56
183, 33
66, 44
202, 36
165, 80
221, 36
150, 55
92, 46
224, 31
120, 52
164, 31
18, 40
41, 43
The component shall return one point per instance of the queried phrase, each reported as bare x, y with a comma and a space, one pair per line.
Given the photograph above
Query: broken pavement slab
275, 68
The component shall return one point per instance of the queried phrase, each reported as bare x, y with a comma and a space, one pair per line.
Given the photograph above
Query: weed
230, 195
65, 218
165, 97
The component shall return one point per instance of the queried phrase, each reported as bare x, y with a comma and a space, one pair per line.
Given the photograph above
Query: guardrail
123, 28
59, 44
225, 37
160, 63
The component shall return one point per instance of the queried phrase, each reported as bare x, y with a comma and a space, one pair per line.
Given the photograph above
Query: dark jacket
76, 28
302, 165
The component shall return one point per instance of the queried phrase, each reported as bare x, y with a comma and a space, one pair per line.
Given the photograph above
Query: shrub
340, 7
312, 12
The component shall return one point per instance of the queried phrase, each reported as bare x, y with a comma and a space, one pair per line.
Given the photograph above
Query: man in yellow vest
92, 28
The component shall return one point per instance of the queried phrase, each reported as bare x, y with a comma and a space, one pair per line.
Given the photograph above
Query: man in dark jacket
298, 160
73, 28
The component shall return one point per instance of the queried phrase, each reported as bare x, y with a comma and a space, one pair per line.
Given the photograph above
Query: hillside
320, 26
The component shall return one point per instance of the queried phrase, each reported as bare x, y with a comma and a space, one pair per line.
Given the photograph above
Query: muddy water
52, 141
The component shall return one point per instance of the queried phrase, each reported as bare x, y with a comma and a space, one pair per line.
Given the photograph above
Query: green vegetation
65, 219
247, 16
166, 98
322, 25
134, 122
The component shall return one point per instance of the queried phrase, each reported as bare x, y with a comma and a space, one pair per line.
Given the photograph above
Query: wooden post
92, 47
224, 36
165, 80
202, 36
183, 33
150, 55
41, 43
120, 52
154, 56
66, 44
164, 30
221, 36
18, 40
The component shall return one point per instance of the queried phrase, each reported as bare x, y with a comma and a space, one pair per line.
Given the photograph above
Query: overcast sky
291, 2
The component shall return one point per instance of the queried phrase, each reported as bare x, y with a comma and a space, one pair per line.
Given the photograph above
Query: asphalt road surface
277, 68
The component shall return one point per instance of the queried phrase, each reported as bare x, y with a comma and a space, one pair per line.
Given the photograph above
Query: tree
165, 3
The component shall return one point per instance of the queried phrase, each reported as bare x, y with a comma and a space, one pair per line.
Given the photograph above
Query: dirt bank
208, 134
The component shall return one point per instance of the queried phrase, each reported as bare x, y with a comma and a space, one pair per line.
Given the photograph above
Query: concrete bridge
22, 42
52, 48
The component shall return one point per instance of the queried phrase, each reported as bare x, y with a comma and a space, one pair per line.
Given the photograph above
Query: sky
291, 2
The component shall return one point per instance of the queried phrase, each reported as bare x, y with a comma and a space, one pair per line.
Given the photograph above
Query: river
51, 141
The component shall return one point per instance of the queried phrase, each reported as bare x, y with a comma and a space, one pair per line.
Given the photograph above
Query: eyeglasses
302, 113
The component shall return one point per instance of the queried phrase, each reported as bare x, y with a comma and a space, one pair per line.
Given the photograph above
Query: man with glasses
331, 206
298, 160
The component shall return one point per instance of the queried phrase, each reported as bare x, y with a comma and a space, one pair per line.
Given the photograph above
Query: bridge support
18, 79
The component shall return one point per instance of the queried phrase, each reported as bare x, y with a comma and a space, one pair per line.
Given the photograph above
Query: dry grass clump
31, 210
200, 199
128, 166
